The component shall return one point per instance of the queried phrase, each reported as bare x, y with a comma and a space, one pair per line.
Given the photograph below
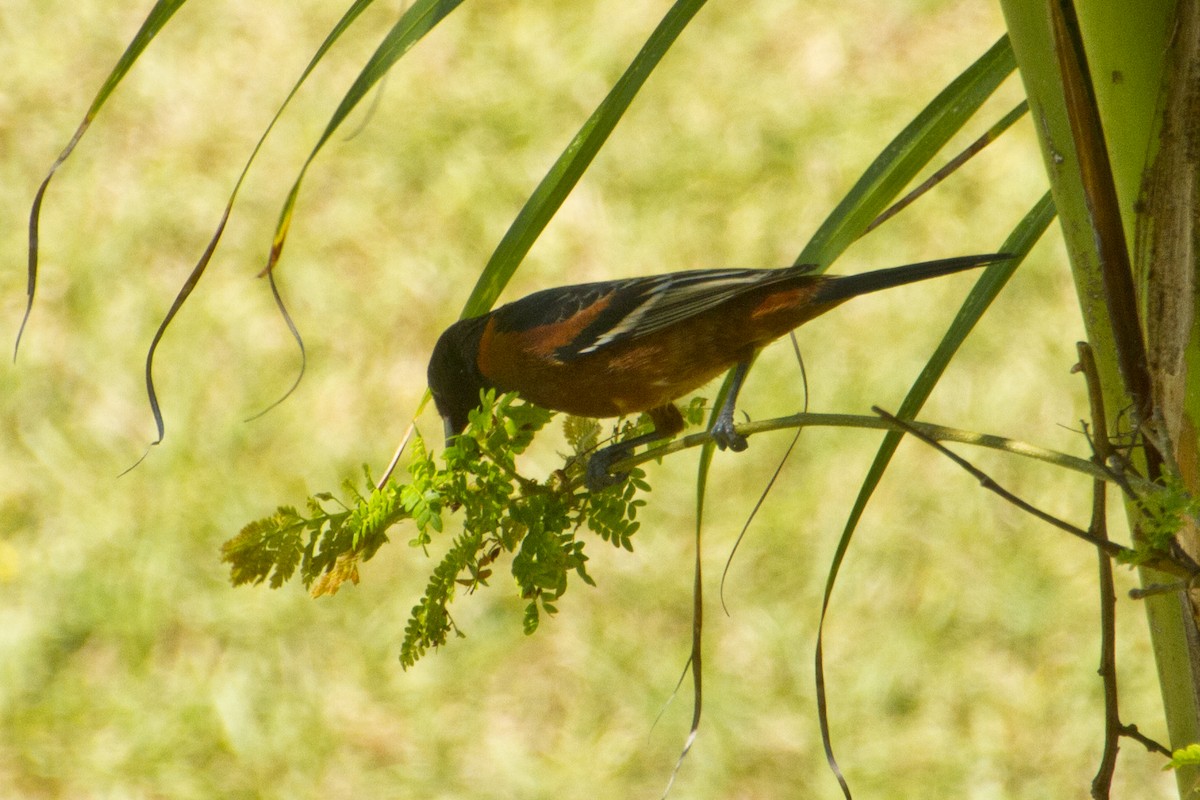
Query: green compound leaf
502, 512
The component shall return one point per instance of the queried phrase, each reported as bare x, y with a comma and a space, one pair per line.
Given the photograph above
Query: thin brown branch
1132, 732
1141, 593
1110, 548
953, 164
1102, 783
1102, 450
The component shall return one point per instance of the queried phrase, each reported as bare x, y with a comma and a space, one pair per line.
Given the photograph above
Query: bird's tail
843, 287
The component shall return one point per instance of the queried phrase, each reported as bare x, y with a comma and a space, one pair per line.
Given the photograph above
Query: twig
987, 482
1132, 732
1102, 451
865, 422
387, 473
953, 164
1111, 548
1141, 593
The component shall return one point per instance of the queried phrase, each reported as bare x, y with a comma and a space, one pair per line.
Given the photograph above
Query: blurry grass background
962, 645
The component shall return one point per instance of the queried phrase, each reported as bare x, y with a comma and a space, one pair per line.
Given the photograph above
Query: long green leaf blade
896, 166
575, 159
908, 153
158, 17
993, 279
197, 272
412, 26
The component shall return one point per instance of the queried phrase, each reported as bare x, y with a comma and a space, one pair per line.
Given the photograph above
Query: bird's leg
722, 430
667, 422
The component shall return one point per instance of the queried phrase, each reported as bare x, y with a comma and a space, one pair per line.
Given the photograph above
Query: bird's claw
724, 435
598, 477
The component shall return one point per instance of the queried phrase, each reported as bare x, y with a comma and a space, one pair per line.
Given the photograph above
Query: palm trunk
1144, 63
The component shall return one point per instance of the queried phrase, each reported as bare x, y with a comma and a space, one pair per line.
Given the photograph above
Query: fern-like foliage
535, 523
269, 547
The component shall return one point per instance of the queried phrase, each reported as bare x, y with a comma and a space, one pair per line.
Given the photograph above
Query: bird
620, 347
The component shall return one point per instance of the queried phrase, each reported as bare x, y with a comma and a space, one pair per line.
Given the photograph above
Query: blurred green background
962, 644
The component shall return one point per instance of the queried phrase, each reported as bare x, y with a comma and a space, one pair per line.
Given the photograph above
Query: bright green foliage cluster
1184, 757
502, 512
325, 545
1165, 509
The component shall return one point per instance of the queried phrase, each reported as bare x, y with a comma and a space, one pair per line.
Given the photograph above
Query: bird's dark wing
552, 306
641, 306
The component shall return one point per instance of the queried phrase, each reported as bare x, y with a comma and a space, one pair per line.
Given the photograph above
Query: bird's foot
598, 476
724, 435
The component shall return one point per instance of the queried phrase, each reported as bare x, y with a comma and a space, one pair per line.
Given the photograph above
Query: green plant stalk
940, 433
1126, 52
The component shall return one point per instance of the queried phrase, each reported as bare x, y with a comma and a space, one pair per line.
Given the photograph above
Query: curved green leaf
908, 153
198, 271
905, 156
993, 279
417, 21
575, 159
887, 176
159, 15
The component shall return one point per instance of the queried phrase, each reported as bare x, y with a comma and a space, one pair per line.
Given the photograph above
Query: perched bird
621, 347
